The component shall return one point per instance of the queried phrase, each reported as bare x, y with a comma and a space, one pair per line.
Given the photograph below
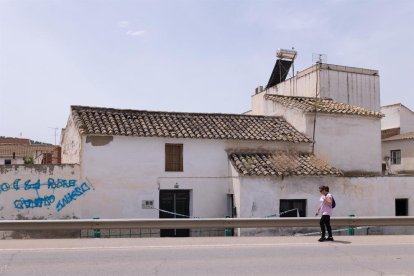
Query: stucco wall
391, 118
350, 143
361, 196
407, 120
15, 161
43, 192
71, 144
132, 169
407, 155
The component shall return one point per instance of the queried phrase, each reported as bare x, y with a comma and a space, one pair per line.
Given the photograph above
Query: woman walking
326, 209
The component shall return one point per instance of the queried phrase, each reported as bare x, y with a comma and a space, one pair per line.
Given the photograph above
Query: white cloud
135, 33
123, 24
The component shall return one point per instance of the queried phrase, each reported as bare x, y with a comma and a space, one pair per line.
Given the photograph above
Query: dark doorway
178, 203
401, 206
291, 207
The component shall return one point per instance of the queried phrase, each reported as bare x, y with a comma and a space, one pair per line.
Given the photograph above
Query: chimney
259, 89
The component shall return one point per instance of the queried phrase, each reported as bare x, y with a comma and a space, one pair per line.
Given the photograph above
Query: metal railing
12, 225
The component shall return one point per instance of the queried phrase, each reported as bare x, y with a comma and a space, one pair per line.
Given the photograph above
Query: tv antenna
319, 58
55, 134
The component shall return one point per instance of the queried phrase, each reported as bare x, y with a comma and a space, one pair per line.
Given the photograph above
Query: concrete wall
407, 155
71, 144
407, 120
354, 86
43, 192
397, 115
349, 143
351, 86
360, 196
15, 161
129, 170
392, 116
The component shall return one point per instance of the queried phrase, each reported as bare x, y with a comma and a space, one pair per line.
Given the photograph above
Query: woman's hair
324, 188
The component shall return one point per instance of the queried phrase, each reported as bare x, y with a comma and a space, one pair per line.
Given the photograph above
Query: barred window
174, 157
396, 157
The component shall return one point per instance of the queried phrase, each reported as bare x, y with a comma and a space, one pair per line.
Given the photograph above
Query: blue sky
201, 56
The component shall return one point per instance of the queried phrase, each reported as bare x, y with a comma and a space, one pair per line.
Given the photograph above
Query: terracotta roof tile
108, 121
281, 163
308, 104
405, 136
6, 150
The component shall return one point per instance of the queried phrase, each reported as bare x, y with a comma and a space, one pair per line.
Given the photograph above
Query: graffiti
38, 202
73, 195
60, 183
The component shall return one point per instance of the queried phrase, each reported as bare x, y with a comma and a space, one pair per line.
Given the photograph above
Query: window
401, 206
290, 207
7, 162
174, 157
396, 157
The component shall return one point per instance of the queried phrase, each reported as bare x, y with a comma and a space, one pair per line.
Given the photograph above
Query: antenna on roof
319, 58
55, 129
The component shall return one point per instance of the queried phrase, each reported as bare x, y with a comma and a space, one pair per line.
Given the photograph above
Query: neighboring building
397, 131
17, 151
337, 106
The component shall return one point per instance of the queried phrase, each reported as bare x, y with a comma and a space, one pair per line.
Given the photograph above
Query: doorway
177, 203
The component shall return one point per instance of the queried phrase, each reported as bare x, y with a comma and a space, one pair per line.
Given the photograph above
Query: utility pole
55, 132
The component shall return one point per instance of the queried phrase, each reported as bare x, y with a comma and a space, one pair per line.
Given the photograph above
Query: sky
185, 56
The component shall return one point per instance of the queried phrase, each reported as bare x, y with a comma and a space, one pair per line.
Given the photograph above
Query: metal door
177, 203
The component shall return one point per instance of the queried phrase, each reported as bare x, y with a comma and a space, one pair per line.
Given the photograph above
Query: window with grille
396, 157
174, 157
292, 207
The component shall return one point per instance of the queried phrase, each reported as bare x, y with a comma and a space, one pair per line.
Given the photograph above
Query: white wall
351, 86
354, 86
71, 143
350, 143
392, 116
407, 120
15, 161
407, 155
131, 169
360, 196
38, 192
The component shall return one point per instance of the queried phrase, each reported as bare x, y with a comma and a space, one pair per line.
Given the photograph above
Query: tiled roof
107, 121
6, 150
12, 140
308, 104
281, 163
405, 136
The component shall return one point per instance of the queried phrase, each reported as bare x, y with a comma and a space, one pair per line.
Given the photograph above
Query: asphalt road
351, 255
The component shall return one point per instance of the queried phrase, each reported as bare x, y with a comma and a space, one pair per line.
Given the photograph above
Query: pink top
326, 210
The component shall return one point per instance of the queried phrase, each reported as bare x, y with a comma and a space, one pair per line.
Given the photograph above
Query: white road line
194, 246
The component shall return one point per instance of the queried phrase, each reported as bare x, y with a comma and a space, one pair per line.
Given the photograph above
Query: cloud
123, 24
135, 33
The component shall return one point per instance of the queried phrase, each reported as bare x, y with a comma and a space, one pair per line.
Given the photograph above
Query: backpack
333, 203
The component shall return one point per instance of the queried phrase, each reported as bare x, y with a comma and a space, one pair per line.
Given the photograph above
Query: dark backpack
333, 203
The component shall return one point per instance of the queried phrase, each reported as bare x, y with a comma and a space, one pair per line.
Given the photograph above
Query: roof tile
281, 163
107, 121
309, 104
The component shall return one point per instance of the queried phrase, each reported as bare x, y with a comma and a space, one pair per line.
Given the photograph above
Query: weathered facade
397, 129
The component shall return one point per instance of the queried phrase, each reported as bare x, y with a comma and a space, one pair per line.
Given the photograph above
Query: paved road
356, 255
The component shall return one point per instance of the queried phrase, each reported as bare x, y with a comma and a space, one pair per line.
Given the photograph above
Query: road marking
258, 245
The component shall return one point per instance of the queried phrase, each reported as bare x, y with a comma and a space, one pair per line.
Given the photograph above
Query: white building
398, 139
139, 164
